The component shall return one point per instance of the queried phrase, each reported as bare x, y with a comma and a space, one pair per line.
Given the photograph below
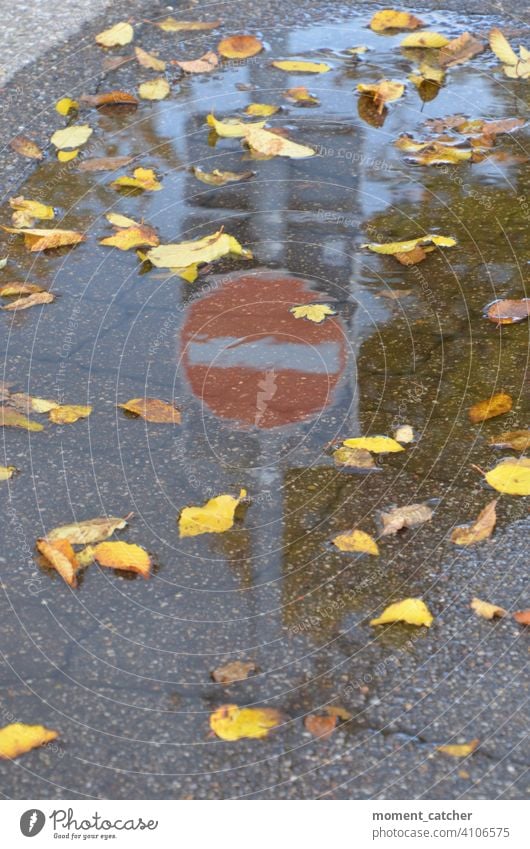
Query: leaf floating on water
125, 556
66, 105
486, 610
221, 178
215, 517
27, 211
459, 750
497, 405
10, 418
261, 110
35, 300
170, 24
301, 66
404, 434
206, 63
230, 722
425, 39
522, 617
405, 517
44, 240
118, 220
267, 143
480, 530
153, 410
18, 738
382, 92
316, 313
69, 413
88, 531
117, 36
509, 311
147, 60
132, 237
67, 155
413, 611
513, 66
197, 251
74, 136
459, 50
61, 556
110, 98
300, 95
511, 475
411, 251
239, 46
519, 440
7, 472
154, 89
232, 128
356, 540
26, 147
375, 444
105, 163
143, 179
354, 458
392, 19
236, 670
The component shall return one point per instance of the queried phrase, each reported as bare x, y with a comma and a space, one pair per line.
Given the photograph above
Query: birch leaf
154, 89
26, 147
518, 440
118, 220
356, 540
132, 237
9, 290
236, 670
301, 95
413, 611
153, 410
147, 60
18, 738
382, 92
44, 240
261, 110
170, 24
61, 556
67, 155
522, 617
232, 128
375, 444
459, 750
125, 556
404, 434
353, 458
7, 472
268, 143
69, 413
230, 722
73, 136
511, 475
480, 530
117, 36
206, 63
26, 211
216, 516
508, 311
425, 242
486, 610
425, 40
35, 300
196, 251
10, 418
501, 47
459, 50
392, 19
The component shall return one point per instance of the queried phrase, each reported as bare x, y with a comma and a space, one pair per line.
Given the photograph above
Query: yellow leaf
87, 531
376, 444
153, 410
391, 19
409, 516
203, 65
236, 670
459, 750
300, 65
356, 540
270, 144
438, 153
86, 556
221, 178
66, 105
7, 472
27, 211
154, 89
511, 476
69, 413
116, 36
123, 555
425, 39
147, 60
18, 738
382, 92
232, 128
354, 458
216, 516
132, 237
300, 94
497, 405
239, 46
261, 110
10, 418
196, 252
43, 240
230, 722
61, 556
479, 530
9, 290
313, 312
71, 137
143, 178
67, 155
413, 611
518, 440
501, 47
118, 220
26, 147
411, 244
172, 25
486, 610
34, 300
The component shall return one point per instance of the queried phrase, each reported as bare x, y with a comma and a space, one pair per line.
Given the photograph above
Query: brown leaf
125, 556
26, 147
61, 556
486, 610
30, 301
405, 517
497, 405
460, 50
237, 670
111, 63
519, 440
9, 290
109, 98
208, 62
481, 529
105, 163
153, 410
413, 257
320, 726
89, 530
509, 311
522, 617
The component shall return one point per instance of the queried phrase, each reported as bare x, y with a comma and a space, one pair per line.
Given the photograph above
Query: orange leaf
18, 738
522, 617
320, 726
125, 556
497, 405
61, 556
239, 46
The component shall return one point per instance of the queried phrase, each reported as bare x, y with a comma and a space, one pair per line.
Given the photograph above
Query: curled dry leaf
425, 40
392, 19
196, 251
236, 670
147, 60
239, 46
301, 66
154, 89
518, 440
18, 738
522, 617
509, 311
143, 179
405, 517
215, 517
497, 405
460, 50
375, 444
132, 237
382, 92
486, 610
356, 540
353, 458
480, 530
459, 750
300, 95
7, 472
206, 63
88, 531
413, 611
110, 98
71, 137
511, 475
26, 147
230, 722
69, 413
153, 410
45, 240
170, 24
125, 556
316, 313
105, 163
221, 178
117, 36
35, 300
11, 418
61, 556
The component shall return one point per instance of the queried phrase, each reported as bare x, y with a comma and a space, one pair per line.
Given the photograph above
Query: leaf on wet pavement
480, 530
153, 410
316, 313
143, 179
411, 251
119, 220
232, 128
43, 240
413, 611
261, 110
425, 39
393, 19
69, 413
508, 311
196, 251
125, 556
239, 46
27, 211
18, 738
301, 95
71, 137
170, 24
66, 105
147, 60
117, 36
132, 237
410, 516
382, 92
35, 300
269, 143
460, 50
28, 403
518, 440
26, 147
61, 556
353, 458
203, 65
320, 725
221, 178
105, 163
7, 472
12, 418
486, 610
110, 98
301, 66
404, 434
230, 722
156, 89
459, 750
216, 516
375, 444
522, 617
511, 476
496, 405
515, 67
236, 670
356, 540
88, 530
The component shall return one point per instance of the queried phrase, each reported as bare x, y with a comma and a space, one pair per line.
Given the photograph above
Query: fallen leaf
154, 89
61, 556
118, 220
66, 105
404, 434
230, 722
316, 313
395, 294
270, 144
261, 110
88, 531
375, 444
10, 418
401, 249
414, 611
236, 670
117, 36
112, 63
319, 725
459, 750
481, 529
239, 46
44, 240
203, 65
125, 556
69, 413
356, 540
27, 211
196, 251
110, 98
513, 66
425, 39
497, 405
147, 60
522, 617
67, 155
300, 94
132, 237
519, 440
509, 311
28, 301
409, 516
74, 136
105, 163
392, 19
460, 50
85, 557
216, 516
143, 179
26, 147
27, 403
338, 711
18, 738
301, 66
511, 475
353, 458
486, 610
221, 178
7, 472
232, 127
172, 25
382, 92
153, 410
